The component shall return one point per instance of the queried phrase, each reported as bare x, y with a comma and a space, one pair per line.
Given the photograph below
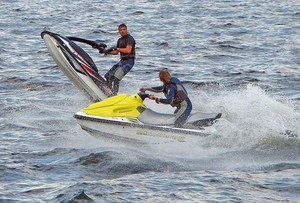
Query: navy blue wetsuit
176, 96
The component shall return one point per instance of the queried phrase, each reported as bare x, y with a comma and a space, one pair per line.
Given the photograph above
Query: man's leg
182, 114
121, 71
117, 72
116, 84
110, 75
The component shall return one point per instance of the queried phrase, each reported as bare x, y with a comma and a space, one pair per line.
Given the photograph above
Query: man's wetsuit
176, 96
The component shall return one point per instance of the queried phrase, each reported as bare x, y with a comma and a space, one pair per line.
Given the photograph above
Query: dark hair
122, 25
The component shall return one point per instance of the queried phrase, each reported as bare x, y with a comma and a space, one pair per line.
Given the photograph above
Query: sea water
240, 58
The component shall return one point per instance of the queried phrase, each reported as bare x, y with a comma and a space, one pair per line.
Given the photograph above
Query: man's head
122, 29
164, 76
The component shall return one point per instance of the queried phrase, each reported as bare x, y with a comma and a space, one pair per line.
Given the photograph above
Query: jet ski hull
123, 129
77, 66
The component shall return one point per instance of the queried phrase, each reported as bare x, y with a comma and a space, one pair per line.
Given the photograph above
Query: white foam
250, 115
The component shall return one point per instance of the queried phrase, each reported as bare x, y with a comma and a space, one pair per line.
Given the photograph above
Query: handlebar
143, 95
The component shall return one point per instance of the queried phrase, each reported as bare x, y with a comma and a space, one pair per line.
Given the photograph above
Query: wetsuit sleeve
156, 89
169, 97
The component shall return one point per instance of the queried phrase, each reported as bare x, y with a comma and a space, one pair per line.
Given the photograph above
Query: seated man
176, 95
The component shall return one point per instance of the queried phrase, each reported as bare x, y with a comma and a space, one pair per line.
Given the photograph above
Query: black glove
104, 51
107, 51
112, 49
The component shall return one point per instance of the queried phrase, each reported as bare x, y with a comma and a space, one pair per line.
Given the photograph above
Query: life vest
180, 93
123, 42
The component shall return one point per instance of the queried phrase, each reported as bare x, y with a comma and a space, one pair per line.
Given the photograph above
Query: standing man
126, 48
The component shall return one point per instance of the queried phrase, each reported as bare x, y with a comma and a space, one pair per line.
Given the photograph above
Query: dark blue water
238, 58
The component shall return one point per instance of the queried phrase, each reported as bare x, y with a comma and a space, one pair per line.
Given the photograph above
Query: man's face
123, 31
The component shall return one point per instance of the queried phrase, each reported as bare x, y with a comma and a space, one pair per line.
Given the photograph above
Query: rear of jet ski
75, 66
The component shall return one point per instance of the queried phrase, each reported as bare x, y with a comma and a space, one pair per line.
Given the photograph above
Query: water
240, 58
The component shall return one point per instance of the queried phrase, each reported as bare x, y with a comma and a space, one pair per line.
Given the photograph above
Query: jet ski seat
154, 118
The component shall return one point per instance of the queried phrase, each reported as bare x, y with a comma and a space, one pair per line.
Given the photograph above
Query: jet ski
126, 118
77, 65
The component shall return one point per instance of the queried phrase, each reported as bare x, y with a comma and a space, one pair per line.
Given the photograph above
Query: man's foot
115, 87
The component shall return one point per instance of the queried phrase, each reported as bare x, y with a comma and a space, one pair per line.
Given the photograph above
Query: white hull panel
135, 132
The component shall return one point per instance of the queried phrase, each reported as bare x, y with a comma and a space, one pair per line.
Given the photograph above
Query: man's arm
169, 97
126, 50
153, 89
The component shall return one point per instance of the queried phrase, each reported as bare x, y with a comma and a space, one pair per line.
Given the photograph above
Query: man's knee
119, 74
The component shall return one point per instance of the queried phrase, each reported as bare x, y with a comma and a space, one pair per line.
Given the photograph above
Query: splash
251, 117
